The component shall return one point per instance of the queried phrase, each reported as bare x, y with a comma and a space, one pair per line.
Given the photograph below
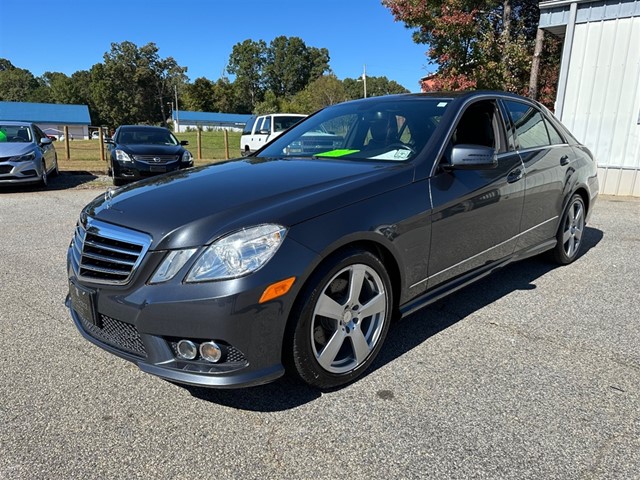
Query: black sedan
139, 151
299, 259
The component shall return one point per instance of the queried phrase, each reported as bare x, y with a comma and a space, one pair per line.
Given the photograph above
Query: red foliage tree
481, 44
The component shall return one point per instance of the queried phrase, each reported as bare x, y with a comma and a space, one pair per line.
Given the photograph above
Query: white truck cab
262, 129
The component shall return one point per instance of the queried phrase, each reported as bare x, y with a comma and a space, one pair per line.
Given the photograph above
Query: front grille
120, 335
5, 168
105, 253
156, 159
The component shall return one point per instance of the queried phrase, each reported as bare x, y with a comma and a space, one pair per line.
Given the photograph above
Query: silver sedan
27, 155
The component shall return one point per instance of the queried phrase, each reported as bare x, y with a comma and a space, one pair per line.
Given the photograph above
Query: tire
56, 168
117, 182
44, 181
332, 341
570, 232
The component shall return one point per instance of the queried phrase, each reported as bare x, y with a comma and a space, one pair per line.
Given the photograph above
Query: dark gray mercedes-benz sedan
299, 256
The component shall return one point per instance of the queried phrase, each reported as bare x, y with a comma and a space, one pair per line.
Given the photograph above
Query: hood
144, 149
193, 207
11, 149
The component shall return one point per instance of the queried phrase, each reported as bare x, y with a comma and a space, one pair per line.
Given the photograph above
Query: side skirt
462, 281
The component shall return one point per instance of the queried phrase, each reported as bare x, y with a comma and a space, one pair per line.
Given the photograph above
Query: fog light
187, 349
211, 352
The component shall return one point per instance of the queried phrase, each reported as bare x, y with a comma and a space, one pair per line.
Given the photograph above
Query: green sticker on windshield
336, 153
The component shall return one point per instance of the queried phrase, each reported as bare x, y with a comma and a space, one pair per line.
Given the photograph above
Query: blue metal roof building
45, 113
52, 118
208, 120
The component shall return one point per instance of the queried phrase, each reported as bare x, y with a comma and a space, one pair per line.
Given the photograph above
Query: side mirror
109, 140
46, 141
472, 157
184, 142
264, 131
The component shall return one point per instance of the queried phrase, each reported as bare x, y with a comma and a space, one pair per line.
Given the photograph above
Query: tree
226, 96
19, 85
60, 87
320, 93
134, 85
290, 65
246, 63
284, 68
199, 96
475, 43
376, 86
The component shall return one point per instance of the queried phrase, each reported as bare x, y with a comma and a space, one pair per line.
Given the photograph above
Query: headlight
171, 265
186, 156
25, 158
238, 253
122, 156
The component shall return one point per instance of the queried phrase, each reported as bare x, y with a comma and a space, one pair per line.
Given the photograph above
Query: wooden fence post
66, 142
199, 138
226, 144
101, 140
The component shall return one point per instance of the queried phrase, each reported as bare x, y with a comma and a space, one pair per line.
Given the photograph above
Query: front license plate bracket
82, 302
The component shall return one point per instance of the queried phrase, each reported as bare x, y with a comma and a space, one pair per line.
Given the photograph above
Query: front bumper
20, 172
141, 323
137, 170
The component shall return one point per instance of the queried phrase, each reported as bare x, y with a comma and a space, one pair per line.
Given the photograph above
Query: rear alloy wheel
570, 232
343, 320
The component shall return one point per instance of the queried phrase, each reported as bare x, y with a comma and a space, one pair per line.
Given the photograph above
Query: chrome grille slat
161, 159
111, 271
105, 258
105, 253
93, 243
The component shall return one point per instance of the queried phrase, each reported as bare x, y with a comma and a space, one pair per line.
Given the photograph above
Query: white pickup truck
262, 129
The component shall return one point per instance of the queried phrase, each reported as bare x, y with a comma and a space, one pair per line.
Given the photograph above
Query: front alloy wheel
344, 320
44, 180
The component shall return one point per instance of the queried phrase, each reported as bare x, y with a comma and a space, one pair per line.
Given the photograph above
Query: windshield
15, 134
146, 137
388, 129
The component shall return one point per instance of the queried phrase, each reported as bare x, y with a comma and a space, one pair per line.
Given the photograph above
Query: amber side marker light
277, 289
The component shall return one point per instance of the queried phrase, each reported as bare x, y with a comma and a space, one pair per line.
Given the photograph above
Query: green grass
85, 154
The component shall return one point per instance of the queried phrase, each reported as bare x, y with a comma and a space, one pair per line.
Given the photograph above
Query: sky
71, 35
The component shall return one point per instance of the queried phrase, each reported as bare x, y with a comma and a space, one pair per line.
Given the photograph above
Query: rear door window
529, 123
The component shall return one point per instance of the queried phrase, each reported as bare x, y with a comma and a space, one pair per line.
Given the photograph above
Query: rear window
282, 123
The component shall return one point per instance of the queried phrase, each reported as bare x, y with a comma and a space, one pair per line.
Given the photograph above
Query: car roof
141, 127
445, 95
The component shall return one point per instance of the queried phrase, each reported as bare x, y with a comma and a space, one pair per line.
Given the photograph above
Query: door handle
514, 175
564, 160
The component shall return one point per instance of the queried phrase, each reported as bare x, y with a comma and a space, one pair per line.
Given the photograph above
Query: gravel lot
534, 373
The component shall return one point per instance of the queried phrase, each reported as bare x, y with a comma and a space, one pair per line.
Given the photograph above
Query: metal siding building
208, 120
599, 84
50, 117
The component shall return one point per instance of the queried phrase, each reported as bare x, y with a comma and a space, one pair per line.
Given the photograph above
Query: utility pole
177, 108
364, 80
